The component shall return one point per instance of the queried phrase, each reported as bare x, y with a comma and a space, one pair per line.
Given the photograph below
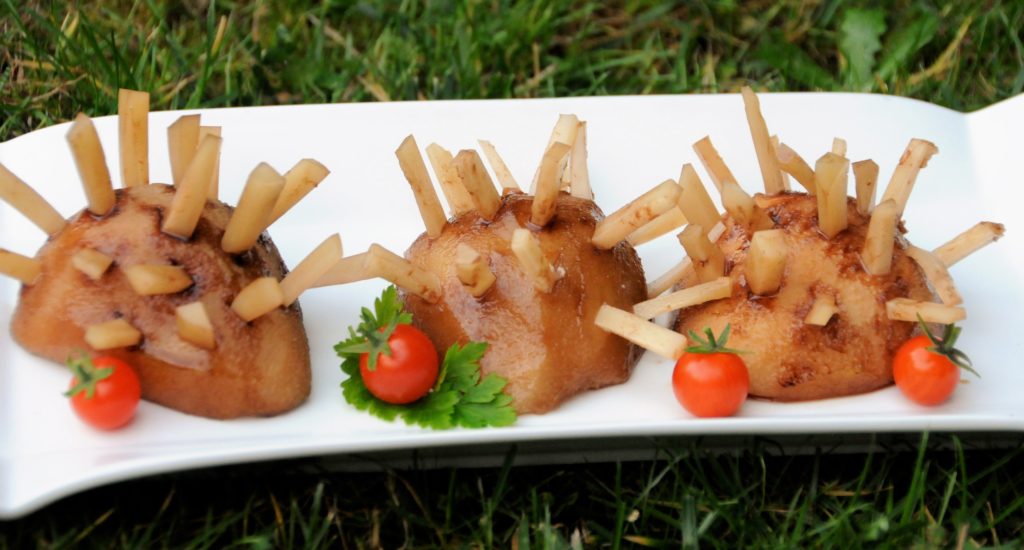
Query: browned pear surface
256, 369
544, 343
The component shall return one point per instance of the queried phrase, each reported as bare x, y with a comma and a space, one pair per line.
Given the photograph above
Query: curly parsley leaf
459, 398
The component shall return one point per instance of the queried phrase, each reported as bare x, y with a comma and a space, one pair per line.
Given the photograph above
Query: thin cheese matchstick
666, 222
154, 279
415, 171
19, 267
830, 177
666, 343
708, 259
878, 245
822, 310
913, 160
389, 266
459, 201
743, 209
527, 250
213, 192
92, 165
839, 146
694, 200
794, 165
182, 142
766, 261
969, 242
133, 135
118, 333
344, 271
579, 172
501, 170
865, 174
786, 183
715, 289
190, 197
194, 325
258, 298
642, 210
92, 263
905, 309
565, 130
762, 143
679, 271
937, 274
713, 163
546, 183
298, 182
477, 183
249, 218
31, 204
472, 270
311, 269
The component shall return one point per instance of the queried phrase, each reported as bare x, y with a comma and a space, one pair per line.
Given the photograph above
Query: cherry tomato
408, 373
104, 391
711, 384
924, 376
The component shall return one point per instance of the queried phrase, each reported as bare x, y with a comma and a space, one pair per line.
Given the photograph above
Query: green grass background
58, 59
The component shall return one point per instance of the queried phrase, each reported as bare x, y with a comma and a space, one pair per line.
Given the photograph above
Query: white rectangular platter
635, 143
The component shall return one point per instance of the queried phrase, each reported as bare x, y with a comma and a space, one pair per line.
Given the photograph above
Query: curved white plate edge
219, 457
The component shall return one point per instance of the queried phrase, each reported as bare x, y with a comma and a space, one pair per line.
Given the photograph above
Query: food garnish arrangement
511, 303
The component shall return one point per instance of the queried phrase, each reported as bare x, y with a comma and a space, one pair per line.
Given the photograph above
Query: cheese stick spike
969, 242
694, 200
794, 165
786, 184
92, 165
299, 181
389, 266
258, 298
662, 341
762, 143
314, 266
190, 197
830, 177
905, 309
865, 174
194, 325
839, 146
937, 274
527, 250
822, 310
715, 289
766, 261
118, 333
881, 238
914, 158
477, 183
30, 203
91, 262
640, 211
743, 209
415, 171
579, 172
666, 222
459, 201
565, 130
182, 142
213, 192
472, 270
249, 218
19, 267
679, 271
708, 259
713, 163
501, 170
346, 270
154, 279
133, 136
546, 183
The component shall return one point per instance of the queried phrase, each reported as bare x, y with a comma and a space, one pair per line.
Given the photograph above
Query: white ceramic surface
635, 142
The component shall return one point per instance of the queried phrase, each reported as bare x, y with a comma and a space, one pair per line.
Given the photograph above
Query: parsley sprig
459, 398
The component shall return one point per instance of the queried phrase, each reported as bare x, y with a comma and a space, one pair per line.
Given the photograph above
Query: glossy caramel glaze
258, 368
793, 361
545, 344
